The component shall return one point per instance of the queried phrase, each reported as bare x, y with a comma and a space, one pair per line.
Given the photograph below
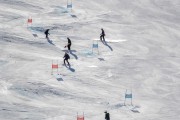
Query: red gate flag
30, 20
80, 118
55, 66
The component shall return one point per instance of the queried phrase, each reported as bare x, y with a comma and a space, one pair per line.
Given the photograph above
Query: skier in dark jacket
102, 35
69, 44
47, 33
107, 115
66, 57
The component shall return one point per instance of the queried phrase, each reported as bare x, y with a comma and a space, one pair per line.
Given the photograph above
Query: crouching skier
66, 58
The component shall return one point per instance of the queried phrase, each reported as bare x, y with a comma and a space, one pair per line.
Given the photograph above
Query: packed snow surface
141, 53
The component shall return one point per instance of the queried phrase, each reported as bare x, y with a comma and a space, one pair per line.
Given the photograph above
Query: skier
102, 35
107, 115
69, 44
66, 57
47, 33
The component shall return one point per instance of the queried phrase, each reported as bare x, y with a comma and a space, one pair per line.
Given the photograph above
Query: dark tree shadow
75, 56
105, 43
50, 41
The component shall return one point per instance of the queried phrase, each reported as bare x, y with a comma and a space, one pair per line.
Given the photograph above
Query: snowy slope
142, 54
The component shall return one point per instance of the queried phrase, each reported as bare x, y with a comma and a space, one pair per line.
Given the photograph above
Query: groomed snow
142, 53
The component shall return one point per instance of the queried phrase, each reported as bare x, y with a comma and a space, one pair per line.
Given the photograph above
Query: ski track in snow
142, 53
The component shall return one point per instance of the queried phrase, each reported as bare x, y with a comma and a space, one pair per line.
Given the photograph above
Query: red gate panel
54, 65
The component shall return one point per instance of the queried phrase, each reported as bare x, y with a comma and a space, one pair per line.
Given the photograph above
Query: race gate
80, 117
128, 96
69, 4
55, 66
95, 45
29, 21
